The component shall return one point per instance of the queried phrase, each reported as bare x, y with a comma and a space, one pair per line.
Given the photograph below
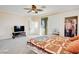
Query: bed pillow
73, 47
74, 38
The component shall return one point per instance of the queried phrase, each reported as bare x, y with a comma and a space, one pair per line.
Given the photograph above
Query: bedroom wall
57, 21
7, 21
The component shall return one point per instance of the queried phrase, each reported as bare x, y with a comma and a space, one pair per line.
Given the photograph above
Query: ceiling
47, 9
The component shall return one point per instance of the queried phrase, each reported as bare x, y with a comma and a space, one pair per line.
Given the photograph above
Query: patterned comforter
50, 44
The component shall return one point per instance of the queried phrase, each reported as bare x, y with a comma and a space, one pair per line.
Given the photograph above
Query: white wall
57, 21
7, 21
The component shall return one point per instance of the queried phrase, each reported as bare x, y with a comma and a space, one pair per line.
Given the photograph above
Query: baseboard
5, 37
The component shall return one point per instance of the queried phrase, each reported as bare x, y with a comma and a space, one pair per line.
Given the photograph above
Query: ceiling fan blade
39, 9
27, 8
29, 11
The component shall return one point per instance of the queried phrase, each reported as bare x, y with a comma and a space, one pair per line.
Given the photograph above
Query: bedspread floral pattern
51, 44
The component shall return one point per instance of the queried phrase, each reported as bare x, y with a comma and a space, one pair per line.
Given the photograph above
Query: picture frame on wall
70, 26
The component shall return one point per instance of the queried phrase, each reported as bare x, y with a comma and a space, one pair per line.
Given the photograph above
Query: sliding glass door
44, 25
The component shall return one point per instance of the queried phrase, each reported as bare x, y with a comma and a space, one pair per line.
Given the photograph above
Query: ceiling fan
33, 9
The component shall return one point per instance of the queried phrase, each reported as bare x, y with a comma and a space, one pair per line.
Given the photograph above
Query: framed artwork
70, 26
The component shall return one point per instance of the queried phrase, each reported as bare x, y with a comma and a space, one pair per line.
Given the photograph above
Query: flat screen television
18, 28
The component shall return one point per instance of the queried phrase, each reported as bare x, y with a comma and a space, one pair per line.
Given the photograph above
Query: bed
48, 45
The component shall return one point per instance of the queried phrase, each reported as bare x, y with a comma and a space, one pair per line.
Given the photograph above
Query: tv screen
18, 28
